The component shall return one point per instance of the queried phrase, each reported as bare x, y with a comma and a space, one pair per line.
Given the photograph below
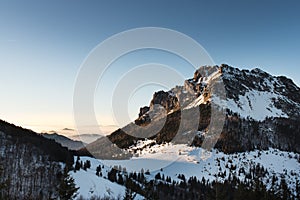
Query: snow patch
254, 104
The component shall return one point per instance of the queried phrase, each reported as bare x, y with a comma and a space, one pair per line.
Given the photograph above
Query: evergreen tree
157, 176
120, 179
86, 165
67, 189
2, 184
168, 179
297, 189
129, 194
273, 188
150, 193
98, 170
112, 175
182, 177
77, 164
284, 192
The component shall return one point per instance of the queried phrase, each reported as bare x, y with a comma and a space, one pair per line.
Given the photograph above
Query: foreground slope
30, 164
273, 168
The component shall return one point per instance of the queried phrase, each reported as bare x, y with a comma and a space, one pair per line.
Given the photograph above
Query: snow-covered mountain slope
254, 110
92, 185
259, 141
191, 162
255, 94
257, 105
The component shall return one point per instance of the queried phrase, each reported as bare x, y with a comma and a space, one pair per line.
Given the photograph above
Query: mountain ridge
248, 93
64, 141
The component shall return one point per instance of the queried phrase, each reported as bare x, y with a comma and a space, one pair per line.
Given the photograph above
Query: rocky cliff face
166, 100
260, 111
31, 165
283, 94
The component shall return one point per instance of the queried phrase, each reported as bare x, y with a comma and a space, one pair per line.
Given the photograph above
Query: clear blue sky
43, 43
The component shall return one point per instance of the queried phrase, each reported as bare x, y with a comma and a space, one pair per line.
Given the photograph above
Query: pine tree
129, 194
120, 179
150, 192
297, 189
2, 184
77, 164
86, 165
147, 172
157, 176
67, 189
98, 170
112, 175
284, 192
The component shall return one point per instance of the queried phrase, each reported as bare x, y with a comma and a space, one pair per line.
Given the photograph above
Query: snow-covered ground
254, 104
92, 185
172, 160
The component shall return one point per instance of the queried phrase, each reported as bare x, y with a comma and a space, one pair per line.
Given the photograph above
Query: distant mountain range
74, 135
64, 141
86, 138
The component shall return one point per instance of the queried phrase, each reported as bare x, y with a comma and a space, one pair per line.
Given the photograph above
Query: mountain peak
259, 110
247, 92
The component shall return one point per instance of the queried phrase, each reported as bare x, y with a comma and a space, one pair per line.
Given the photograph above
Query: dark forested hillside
30, 164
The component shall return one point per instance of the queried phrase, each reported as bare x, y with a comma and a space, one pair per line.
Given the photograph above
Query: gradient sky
43, 44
